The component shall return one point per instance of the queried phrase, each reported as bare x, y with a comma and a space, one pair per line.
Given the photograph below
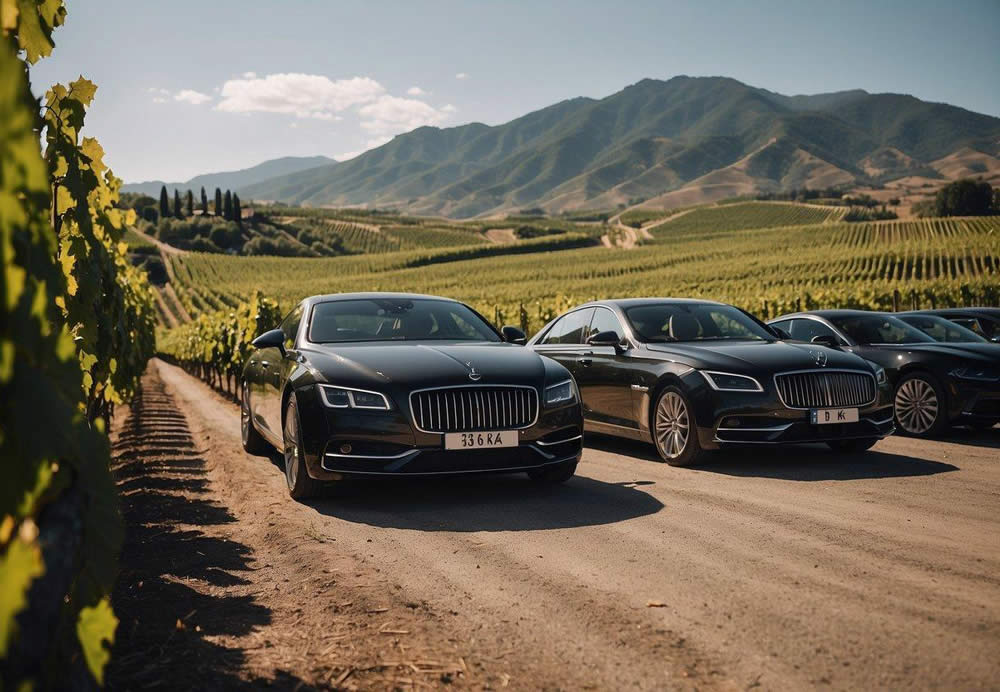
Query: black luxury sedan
983, 321
396, 384
940, 328
693, 375
936, 384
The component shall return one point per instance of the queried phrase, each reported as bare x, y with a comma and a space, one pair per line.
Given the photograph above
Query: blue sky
192, 87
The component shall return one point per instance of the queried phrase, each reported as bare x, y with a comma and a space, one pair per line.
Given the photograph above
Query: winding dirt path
799, 570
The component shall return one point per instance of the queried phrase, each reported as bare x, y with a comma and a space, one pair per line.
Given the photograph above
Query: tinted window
290, 326
940, 329
397, 320
605, 321
570, 328
694, 322
879, 329
805, 330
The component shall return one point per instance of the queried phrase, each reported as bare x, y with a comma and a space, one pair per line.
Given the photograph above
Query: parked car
695, 375
983, 321
935, 384
387, 384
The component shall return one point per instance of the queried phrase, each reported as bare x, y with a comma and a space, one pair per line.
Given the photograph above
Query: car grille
463, 409
824, 388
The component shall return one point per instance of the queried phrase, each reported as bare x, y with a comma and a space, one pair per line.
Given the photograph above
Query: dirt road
791, 569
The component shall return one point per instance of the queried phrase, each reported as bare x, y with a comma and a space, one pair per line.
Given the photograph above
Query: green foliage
164, 203
965, 198
869, 214
743, 216
62, 263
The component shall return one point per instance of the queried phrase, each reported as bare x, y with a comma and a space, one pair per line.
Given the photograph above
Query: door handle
585, 361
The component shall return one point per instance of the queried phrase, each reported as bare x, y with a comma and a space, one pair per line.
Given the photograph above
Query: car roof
827, 314
373, 295
970, 312
626, 303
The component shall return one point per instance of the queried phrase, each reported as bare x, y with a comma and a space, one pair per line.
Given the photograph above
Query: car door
563, 342
275, 368
604, 376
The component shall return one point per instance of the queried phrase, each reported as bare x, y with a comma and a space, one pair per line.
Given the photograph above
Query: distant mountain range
233, 180
664, 143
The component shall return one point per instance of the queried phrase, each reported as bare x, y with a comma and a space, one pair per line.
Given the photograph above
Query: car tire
675, 434
919, 405
301, 485
253, 441
852, 446
560, 473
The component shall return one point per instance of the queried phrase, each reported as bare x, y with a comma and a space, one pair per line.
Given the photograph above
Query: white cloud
159, 99
461, 75
249, 75
369, 145
416, 91
302, 95
191, 96
448, 108
392, 114
158, 90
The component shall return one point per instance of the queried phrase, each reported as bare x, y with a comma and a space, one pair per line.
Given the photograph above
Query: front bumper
341, 443
756, 418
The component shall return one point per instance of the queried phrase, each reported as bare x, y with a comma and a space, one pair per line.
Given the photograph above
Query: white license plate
481, 440
824, 416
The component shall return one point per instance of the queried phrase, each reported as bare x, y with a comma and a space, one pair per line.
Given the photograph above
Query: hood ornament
474, 375
820, 358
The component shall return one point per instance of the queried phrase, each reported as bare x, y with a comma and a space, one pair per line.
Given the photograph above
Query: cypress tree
237, 211
218, 202
164, 203
228, 206
177, 204
204, 202
189, 204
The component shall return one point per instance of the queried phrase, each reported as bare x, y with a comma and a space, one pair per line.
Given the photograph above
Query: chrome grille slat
474, 408
825, 388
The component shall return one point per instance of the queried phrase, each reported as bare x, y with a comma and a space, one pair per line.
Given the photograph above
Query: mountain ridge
233, 180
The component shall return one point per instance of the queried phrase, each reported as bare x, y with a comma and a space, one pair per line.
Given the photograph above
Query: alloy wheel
916, 406
291, 446
672, 425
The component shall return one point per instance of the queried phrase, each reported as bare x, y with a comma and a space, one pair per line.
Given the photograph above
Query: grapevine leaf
19, 566
95, 629
83, 90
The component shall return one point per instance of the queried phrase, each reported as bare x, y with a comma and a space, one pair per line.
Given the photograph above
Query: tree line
225, 205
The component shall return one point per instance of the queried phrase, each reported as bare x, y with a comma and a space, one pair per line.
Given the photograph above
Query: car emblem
473, 375
820, 357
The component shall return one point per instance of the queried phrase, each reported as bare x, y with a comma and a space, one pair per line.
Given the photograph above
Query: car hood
427, 364
979, 353
749, 357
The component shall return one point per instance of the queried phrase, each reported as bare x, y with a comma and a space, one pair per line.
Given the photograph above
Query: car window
605, 321
879, 329
940, 329
972, 325
393, 319
694, 322
570, 328
290, 326
806, 330
783, 325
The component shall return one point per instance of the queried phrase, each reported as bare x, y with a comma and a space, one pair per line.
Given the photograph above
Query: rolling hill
662, 143
234, 180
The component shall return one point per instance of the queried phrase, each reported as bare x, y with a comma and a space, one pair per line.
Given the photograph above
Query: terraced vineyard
745, 215
765, 270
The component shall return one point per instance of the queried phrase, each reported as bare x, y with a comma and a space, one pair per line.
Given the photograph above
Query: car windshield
388, 319
940, 329
662, 322
879, 329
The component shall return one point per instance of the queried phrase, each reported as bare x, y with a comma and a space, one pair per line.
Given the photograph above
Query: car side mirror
275, 338
608, 338
826, 340
782, 334
513, 335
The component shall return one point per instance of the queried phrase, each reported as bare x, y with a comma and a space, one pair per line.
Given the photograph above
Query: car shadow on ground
790, 462
970, 436
509, 502
170, 596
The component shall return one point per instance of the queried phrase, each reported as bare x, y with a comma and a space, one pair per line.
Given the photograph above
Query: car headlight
977, 373
730, 382
346, 397
561, 393
880, 376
